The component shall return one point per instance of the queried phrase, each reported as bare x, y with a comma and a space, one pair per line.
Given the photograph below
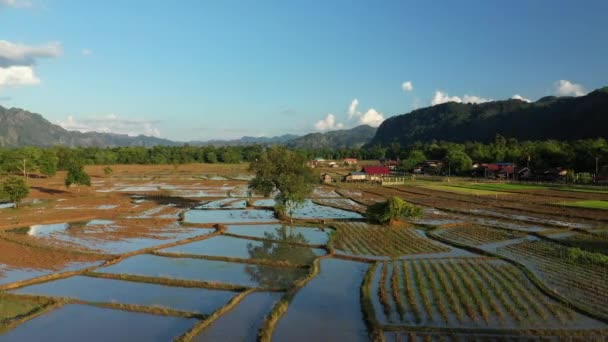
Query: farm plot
593, 204
358, 238
108, 236
466, 293
472, 235
342, 203
583, 283
590, 242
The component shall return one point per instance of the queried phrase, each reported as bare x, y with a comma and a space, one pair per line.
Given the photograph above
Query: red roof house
377, 170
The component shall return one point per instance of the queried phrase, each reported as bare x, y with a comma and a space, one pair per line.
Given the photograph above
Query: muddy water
244, 248
311, 210
328, 307
277, 232
91, 324
98, 235
243, 322
207, 270
229, 216
125, 292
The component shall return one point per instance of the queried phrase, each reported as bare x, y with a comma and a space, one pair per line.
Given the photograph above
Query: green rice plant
498, 290
382, 291
471, 269
437, 295
410, 293
423, 290
463, 297
396, 289
471, 288
518, 280
453, 302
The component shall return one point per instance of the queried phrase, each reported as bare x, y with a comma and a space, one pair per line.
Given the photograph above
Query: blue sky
198, 70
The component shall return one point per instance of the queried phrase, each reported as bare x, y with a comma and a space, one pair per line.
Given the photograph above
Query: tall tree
285, 171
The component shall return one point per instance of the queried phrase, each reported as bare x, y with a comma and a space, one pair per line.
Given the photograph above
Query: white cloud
15, 76
352, 109
567, 88
112, 123
21, 54
441, 97
372, 117
474, 99
407, 86
16, 3
521, 98
328, 123
86, 52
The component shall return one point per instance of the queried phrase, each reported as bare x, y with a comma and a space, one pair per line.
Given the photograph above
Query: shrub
392, 210
14, 189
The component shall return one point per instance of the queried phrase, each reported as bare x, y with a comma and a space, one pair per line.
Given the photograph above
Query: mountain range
19, 127
561, 118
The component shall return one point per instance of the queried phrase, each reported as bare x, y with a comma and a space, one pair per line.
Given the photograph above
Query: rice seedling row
362, 239
581, 283
476, 235
486, 294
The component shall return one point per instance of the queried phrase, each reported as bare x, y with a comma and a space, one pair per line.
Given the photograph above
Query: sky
222, 69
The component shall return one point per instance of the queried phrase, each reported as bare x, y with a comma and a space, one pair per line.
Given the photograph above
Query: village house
350, 161
326, 179
376, 173
355, 177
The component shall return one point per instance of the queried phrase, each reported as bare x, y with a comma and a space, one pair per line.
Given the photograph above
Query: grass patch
12, 307
502, 186
463, 190
593, 204
593, 191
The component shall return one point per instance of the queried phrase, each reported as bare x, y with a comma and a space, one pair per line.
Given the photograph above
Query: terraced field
583, 284
466, 293
476, 235
360, 238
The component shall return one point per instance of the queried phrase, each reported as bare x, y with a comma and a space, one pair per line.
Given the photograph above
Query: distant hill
19, 127
354, 137
248, 141
561, 118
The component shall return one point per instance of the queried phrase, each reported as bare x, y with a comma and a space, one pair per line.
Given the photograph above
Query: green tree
285, 171
15, 189
77, 175
47, 163
392, 210
458, 161
414, 158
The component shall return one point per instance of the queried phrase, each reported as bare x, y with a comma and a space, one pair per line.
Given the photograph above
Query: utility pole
596, 168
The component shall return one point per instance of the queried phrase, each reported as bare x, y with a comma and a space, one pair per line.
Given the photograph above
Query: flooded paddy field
156, 253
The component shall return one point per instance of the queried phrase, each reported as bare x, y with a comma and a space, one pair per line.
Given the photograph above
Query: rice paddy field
158, 253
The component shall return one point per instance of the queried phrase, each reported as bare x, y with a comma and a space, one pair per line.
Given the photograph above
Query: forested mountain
345, 138
282, 139
19, 127
560, 118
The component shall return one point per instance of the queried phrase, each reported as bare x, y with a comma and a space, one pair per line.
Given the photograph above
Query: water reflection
281, 251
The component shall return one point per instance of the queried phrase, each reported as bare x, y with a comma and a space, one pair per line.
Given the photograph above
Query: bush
392, 210
14, 189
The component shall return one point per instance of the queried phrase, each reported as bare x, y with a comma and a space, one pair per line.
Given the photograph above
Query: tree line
578, 155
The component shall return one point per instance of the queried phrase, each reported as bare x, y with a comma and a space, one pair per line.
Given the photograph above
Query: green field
13, 307
593, 191
502, 186
463, 190
593, 204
